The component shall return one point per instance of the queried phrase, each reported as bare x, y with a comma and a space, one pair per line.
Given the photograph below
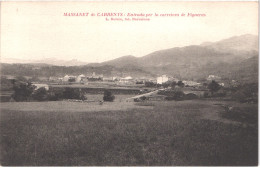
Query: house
172, 79
126, 80
222, 84
81, 78
162, 79
53, 79
108, 79
191, 83
40, 85
213, 77
68, 78
95, 77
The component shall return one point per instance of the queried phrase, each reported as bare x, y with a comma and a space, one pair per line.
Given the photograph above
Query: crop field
170, 133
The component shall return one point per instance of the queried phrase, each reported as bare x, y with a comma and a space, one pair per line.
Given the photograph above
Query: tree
71, 93
149, 84
20, 79
172, 94
55, 94
108, 96
22, 91
213, 87
165, 85
40, 94
72, 80
143, 98
6, 84
180, 84
246, 93
173, 84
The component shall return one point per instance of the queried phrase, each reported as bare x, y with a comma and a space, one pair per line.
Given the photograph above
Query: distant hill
245, 70
235, 57
227, 50
187, 62
59, 62
244, 45
46, 61
122, 61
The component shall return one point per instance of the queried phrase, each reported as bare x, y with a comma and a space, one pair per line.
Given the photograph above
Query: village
118, 81
134, 89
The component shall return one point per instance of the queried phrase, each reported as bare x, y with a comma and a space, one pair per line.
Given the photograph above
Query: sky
38, 30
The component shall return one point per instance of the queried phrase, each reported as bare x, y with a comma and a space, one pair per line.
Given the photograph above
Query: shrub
6, 84
206, 94
143, 98
165, 85
40, 94
213, 87
55, 94
172, 94
220, 93
190, 96
108, 96
246, 93
71, 93
22, 91
150, 84
180, 84
137, 100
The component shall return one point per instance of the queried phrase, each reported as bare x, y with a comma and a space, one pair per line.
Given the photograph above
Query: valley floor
170, 133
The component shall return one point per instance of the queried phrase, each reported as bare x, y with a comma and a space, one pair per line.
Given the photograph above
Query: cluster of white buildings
162, 79
125, 80
78, 79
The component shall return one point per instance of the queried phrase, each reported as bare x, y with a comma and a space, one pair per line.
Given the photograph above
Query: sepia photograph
129, 83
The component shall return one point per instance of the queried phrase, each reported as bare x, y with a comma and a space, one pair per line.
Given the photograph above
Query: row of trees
25, 91
171, 84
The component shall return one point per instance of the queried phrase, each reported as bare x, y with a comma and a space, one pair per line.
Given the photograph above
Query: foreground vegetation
163, 133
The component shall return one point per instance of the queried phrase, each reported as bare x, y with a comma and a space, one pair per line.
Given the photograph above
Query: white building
39, 85
162, 79
68, 78
213, 77
126, 80
190, 83
81, 78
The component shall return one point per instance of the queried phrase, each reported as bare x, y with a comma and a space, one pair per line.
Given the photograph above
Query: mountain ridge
189, 62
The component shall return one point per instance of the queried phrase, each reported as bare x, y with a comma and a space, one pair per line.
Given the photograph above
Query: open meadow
167, 133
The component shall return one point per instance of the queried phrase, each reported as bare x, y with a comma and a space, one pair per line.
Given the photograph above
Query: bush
220, 93
150, 84
213, 87
40, 94
71, 93
172, 94
22, 91
6, 84
108, 96
190, 96
246, 93
206, 94
180, 84
165, 85
55, 94
143, 98
137, 100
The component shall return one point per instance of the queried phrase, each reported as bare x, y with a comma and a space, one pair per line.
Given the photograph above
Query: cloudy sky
37, 30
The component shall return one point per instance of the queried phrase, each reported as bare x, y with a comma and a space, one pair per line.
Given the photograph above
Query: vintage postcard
134, 83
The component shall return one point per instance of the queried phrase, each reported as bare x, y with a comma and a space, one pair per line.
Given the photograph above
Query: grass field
127, 134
